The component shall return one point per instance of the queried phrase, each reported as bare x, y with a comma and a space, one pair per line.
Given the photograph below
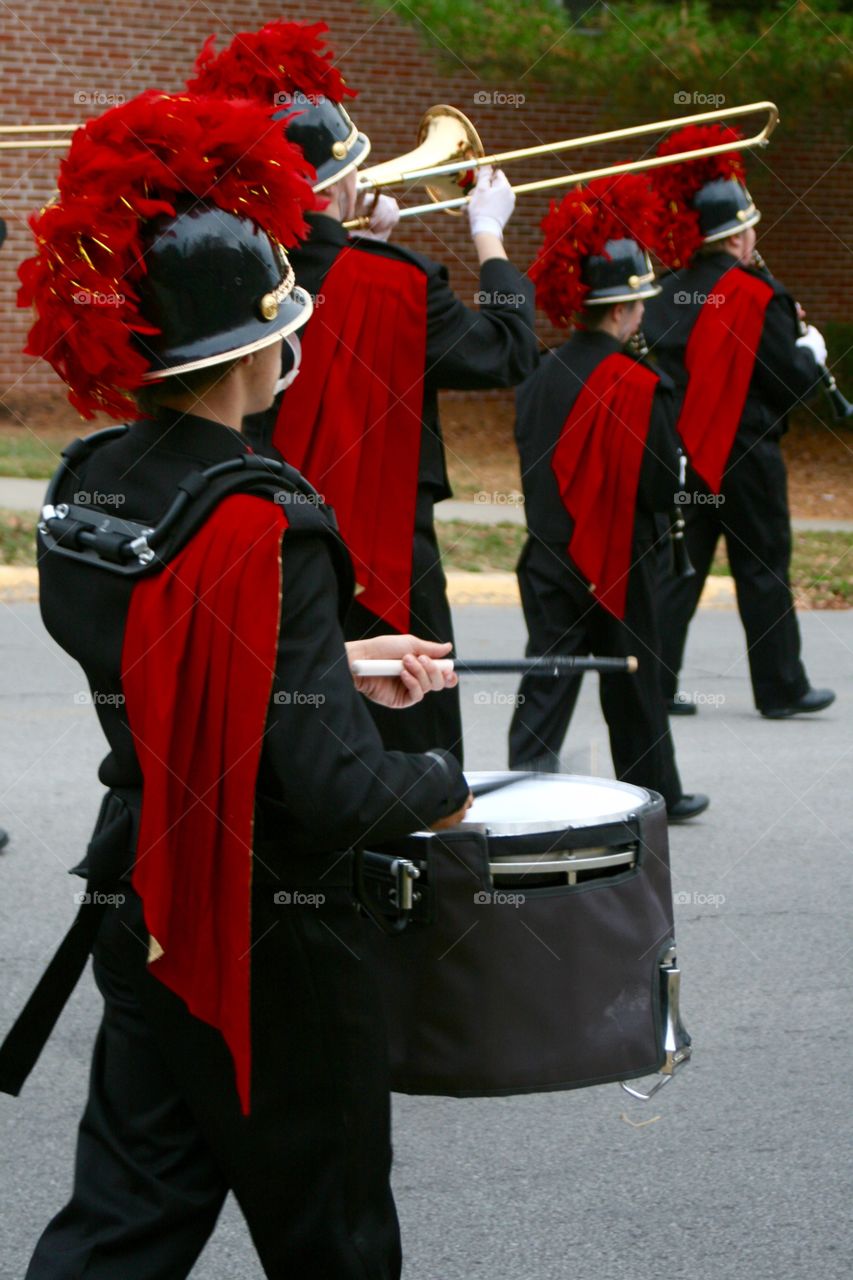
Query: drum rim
643, 798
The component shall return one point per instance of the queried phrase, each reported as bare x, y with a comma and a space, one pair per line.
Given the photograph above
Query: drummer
599, 457
241, 1047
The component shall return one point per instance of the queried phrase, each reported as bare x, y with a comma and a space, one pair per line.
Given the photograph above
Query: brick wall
68, 59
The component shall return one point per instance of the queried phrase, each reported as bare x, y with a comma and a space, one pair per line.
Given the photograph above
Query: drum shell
559, 991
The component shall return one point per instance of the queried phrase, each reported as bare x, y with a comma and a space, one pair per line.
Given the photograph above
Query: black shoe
813, 700
687, 807
680, 705
4, 838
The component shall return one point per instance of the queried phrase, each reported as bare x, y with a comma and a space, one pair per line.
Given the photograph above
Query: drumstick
558, 665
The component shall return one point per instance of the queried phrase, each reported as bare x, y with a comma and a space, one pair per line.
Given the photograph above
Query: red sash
719, 360
597, 464
351, 422
197, 668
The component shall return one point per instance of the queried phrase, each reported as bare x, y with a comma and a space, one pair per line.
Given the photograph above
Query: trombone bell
445, 136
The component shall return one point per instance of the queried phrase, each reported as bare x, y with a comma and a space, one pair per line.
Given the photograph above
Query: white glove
383, 217
492, 202
814, 340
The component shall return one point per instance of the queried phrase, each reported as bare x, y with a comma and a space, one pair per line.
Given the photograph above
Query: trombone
450, 151
30, 135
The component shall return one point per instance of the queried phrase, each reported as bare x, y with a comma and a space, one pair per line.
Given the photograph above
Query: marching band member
241, 1046
387, 334
727, 334
599, 456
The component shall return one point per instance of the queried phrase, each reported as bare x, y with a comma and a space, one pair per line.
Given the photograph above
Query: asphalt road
740, 1168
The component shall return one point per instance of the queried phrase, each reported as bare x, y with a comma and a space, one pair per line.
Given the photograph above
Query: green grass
17, 537
821, 568
484, 548
25, 455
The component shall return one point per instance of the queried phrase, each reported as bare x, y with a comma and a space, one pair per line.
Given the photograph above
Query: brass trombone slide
31, 136
392, 175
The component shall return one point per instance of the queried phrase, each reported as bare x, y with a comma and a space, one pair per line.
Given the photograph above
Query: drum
541, 950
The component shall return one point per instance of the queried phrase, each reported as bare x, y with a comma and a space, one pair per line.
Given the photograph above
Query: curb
18, 583
462, 588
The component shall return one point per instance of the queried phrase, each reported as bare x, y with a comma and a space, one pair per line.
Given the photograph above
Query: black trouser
754, 520
436, 721
562, 617
162, 1139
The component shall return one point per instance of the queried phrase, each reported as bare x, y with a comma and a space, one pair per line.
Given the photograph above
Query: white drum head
549, 802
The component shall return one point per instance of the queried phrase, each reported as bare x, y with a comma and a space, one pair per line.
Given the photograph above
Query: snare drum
541, 954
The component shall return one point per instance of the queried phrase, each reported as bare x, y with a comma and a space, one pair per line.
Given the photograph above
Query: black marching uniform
753, 516
163, 1138
562, 615
466, 350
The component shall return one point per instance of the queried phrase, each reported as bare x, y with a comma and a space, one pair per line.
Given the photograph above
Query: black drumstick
558, 665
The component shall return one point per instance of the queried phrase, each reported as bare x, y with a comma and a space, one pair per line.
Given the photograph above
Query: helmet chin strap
295, 345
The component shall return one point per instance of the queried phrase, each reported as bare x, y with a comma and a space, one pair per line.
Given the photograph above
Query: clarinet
841, 406
681, 564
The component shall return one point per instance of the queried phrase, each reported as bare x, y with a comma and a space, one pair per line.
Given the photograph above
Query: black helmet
725, 207
328, 138
622, 273
217, 287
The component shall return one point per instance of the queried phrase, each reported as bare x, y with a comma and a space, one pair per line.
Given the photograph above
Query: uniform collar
596, 340
326, 230
186, 433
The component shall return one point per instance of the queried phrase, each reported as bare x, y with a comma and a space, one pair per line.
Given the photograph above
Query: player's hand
453, 819
384, 215
814, 340
419, 676
492, 202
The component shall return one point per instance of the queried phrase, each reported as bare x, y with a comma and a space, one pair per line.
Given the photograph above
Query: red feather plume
579, 226
271, 64
122, 169
677, 184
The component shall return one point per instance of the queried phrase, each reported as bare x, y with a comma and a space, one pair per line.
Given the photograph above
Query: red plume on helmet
123, 169
677, 184
268, 65
616, 208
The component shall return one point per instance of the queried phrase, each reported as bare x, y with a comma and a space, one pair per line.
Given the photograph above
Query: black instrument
841, 407
681, 564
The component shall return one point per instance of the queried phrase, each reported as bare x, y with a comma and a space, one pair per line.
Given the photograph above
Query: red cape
197, 669
597, 464
351, 422
719, 360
